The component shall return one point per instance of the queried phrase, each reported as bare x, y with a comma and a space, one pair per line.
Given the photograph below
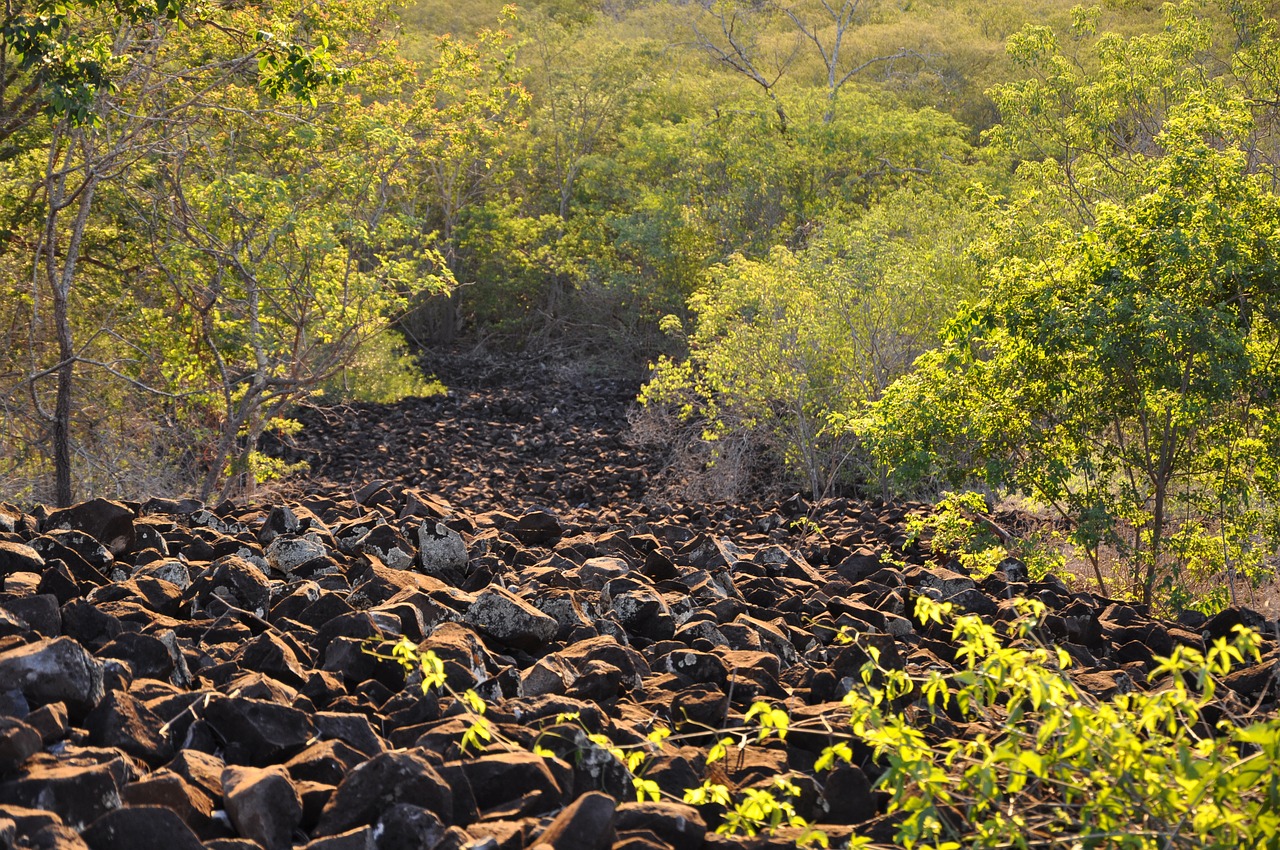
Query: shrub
790, 348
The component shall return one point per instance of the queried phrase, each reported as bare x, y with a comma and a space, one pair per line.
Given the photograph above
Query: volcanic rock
495, 781
78, 794
287, 553
121, 721
18, 742
507, 534
140, 828
677, 825
256, 732
54, 670
18, 558
585, 824
263, 805
503, 615
442, 552
378, 784
109, 523
165, 788
405, 826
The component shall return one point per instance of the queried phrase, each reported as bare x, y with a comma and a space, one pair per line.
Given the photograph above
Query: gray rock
352, 729
550, 675
388, 545
82, 543
54, 670
231, 580
562, 606
121, 721
441, 550
171, 570
946, 582
596, 572
286, 553
39, 611
505, 616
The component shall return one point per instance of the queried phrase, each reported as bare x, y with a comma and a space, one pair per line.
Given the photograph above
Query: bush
790, 348
384, 371
1045, 762
1126, 379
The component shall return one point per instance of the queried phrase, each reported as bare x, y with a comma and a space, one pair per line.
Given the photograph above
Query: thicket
208, 211
1096, 334
1022, 249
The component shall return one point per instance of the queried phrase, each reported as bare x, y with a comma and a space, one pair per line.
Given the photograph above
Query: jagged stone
19, 558
287, 553
78, 794
257, 732
441, 551
263, 804
585, 824
503, 615
18, 742
140, 828
122, 722
109, 523
587, 613
678, 825
380, 783
54, 670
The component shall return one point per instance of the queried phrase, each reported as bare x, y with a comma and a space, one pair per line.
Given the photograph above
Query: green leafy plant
1122, 378
955, 532
1141, 769
1167, 767
790, 347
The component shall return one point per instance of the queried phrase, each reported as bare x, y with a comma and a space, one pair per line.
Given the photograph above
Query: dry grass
700, 470
1027, 520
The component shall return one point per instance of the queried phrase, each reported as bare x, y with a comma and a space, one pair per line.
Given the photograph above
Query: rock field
176, 675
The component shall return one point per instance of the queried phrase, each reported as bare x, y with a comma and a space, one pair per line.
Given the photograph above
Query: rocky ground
176, 675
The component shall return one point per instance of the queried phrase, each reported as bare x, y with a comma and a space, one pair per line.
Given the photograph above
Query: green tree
472, 101
790, 348
1129, 371
764, 42
287, 234
114, 78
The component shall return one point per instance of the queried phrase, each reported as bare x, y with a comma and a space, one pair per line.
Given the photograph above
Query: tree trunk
63, 491
60, 282
1157, 529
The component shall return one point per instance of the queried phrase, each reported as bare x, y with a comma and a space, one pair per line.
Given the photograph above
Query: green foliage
792, 347
1140, 769
383, 372
765, 810
954, 533
1125, 373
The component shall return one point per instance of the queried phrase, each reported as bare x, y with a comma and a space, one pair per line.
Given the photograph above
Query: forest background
1024, 249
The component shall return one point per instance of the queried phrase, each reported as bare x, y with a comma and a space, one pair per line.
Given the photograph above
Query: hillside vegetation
1028, 248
